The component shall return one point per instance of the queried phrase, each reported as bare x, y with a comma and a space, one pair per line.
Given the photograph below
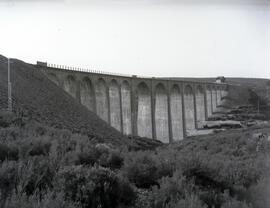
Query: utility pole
9, 89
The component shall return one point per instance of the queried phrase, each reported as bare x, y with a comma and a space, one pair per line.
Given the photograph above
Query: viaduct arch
87, 94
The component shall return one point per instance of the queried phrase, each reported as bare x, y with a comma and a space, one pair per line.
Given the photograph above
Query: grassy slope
46, 103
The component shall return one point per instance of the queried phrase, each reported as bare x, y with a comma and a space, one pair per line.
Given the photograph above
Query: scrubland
48, 167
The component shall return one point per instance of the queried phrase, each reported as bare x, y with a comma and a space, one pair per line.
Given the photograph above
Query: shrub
176, 191
111, 159
34, 147
40, 130
233, 203
89, 157
95, 187
9, 152
141, 169
170, 191
190, 201
211, 197
49, 200
36, 175
39, 147
258, 194
145, 168
8, 175
6, 118
204, 170
219, 172
100, 154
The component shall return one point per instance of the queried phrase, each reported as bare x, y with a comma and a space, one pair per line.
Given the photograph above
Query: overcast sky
174, 38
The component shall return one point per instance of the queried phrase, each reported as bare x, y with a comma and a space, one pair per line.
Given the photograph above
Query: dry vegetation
72, 160
47, 167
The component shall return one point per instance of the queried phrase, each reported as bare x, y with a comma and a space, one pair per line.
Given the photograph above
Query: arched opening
87, 94
209, 101
161, 114
126, 107
53, 78
70, 85
214, 99
144, 119
101, 100
224, 92
176, 114
200, 107
114, 96
218, 96
189, 109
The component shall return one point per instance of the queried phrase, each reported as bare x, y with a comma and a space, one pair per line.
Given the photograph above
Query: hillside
39, 99
54, 153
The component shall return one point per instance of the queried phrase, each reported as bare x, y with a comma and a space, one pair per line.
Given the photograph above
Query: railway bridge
163, 109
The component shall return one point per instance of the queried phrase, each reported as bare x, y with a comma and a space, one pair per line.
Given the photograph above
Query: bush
6, 118
40, 148
8, 152
89, 157
176, 191
233, 203
219, 172
95, 187
258, 194
49, 200
36, 175
34, 147
111, 159
8, 176
141, 169
170, 191
190, 201
144, 168
100, 154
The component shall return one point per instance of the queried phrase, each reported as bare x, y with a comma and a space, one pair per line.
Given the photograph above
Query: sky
172, 38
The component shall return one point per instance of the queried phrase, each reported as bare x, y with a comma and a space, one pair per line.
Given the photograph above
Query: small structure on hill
220, 79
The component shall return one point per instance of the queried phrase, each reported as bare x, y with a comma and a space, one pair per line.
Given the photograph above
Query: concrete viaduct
162, 109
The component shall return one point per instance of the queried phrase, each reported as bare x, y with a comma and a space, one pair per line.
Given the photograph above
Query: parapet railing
71, 68
87, 70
